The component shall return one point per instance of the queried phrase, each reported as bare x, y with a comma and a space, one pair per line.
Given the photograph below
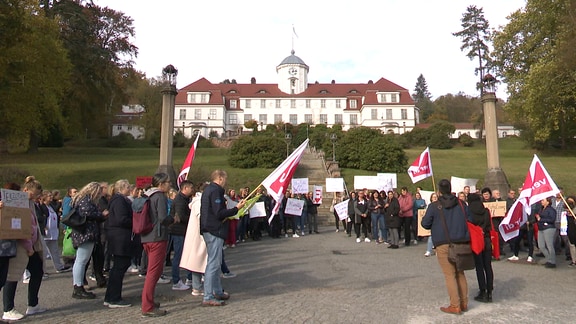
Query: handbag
74, 220
459, 254
476, 238
68, 249
7, 248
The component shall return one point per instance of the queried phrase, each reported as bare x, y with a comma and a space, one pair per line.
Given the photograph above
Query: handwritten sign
300, 185
16, 199
421, 230
258, 210
294, 207
15, 216
342, 209
497, 208
317, 195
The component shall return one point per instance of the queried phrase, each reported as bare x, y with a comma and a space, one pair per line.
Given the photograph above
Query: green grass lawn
58, 168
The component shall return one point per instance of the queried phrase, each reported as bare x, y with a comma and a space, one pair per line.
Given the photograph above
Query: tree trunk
34, 142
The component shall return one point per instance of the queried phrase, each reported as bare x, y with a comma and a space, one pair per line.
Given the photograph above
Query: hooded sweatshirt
455, 214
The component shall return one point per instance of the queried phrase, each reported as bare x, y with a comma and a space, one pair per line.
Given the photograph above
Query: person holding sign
362, 213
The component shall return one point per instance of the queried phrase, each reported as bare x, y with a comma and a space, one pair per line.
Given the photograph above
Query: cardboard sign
294, 207
300, 185
334, 184
421, 230
143, 182
342, 209
258, 210
15, 216
317, 195
497, 208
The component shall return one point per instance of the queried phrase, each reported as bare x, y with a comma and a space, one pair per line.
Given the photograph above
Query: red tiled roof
314, 90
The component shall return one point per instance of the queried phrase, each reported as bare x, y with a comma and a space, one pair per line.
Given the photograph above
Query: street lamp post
169, 93
288, 139
333, 138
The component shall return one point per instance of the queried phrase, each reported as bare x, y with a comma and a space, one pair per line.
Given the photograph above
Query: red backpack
141, 221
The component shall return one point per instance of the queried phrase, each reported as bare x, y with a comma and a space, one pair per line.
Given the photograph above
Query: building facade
128, 121
223, 108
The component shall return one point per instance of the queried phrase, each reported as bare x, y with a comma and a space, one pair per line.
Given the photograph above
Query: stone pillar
495, 177
167, 132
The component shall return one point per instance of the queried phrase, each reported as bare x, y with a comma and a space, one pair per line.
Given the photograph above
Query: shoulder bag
74, 220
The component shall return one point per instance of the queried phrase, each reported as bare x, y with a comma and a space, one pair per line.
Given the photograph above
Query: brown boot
464, 306
451, 310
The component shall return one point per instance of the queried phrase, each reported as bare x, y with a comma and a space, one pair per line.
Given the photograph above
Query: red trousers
156, 252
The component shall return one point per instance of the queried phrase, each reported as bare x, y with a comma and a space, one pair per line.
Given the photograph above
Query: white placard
365, 182
317, 195
426, 196
294, 207
334, 184
14, 198
393, 178
342, 209
563, 224
258, 210
458, 184
230, 203
300, 185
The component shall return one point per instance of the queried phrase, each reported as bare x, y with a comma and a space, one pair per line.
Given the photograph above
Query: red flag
188, 162
542, 184
421, 168
277, 182
515, 217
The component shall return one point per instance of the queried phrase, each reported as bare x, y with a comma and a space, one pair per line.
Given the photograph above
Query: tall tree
535, 57
475, 36
34, 74
423, 98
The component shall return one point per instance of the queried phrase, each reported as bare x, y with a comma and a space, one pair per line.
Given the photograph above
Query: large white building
224, 107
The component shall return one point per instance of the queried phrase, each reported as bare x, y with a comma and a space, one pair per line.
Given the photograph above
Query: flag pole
433, 183
567, 206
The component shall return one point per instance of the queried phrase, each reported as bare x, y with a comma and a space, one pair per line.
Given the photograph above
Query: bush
179, 140
257, 152
439, 135
466, 140
120, 140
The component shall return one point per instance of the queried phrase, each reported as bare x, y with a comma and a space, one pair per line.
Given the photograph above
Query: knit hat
444, 187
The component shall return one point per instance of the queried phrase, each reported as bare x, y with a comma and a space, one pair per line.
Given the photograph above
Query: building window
232, 103
294, 119
322, 103
404, 113
198, 114
504, 134
394, 97
182, 114
292, 103
262, 103
233, 119
374, 113
263, 119
119, 127
191, 98
353, 104
338, 103
323, 119
203, 98
212, 114
248, 103
277, 118
389, 114
338, 119
277, 103
130, 128
247, 117
382, 98
353, 119
307, 103
308, 118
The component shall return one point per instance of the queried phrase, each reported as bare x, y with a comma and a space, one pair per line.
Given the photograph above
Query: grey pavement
329, 278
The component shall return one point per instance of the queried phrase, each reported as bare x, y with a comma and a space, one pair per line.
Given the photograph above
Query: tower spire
293, 34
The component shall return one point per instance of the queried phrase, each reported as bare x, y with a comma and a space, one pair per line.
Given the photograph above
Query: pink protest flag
542, 184
421, 168
277, 182
515, 217
188, 162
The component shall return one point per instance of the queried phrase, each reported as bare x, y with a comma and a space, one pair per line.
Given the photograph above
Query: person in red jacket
406, 204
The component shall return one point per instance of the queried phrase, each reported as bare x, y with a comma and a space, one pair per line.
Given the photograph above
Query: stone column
167, 132
495, 177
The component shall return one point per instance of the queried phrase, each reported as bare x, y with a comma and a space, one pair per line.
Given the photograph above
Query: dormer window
232, 91
262, 91
323, 91
353, 91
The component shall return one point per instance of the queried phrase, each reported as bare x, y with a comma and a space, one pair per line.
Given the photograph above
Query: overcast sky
345, 41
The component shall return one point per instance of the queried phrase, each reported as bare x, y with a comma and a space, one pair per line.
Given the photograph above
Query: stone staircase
312, 166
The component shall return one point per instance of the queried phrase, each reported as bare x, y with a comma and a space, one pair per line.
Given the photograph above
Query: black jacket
391, 214
213, 211
456, 215
180, 208
119, 228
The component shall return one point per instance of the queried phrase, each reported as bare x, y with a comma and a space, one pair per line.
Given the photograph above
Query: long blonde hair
119, 186
93, 190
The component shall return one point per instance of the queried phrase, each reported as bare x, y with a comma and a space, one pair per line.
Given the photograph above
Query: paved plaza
329, 278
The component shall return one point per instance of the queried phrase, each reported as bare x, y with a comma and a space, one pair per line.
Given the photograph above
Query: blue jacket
547, 218
213, 211
456, 215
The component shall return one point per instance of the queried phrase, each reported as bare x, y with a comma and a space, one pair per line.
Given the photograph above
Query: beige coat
194, 256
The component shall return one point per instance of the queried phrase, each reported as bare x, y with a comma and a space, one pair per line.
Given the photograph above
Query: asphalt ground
328, 278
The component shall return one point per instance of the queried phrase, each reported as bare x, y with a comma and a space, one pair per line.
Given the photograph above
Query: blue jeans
83, 254
378, 221
196, 280
212, 283
303, 220
430, 245
178, 244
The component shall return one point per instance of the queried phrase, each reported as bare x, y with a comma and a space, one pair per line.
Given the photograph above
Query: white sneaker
358, 240
513, 258
31, 310
367, 240
132, 269
12, 315
25, 280
427, 254
163, 280
530, 259
180, 286
285, 235
188, 282
337, 230
415, 242
228, 275
196, 292
295, 235
302, 234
